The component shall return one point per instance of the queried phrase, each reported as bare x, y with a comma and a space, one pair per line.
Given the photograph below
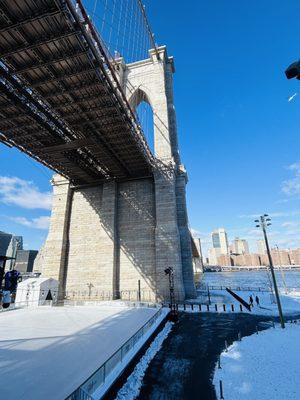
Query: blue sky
239, 135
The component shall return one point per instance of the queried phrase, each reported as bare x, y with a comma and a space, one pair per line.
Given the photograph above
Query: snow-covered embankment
263, 366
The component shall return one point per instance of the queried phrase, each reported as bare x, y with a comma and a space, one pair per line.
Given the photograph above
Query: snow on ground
290, 302
131, 388
50, 351
263, 366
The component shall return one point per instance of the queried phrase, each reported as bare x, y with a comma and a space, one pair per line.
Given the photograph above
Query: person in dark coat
11, 280
251, 301
257, 300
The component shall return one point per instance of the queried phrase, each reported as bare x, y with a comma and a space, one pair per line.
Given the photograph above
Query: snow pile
131, 388
263, 366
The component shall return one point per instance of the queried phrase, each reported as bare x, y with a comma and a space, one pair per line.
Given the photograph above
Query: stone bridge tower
107, 237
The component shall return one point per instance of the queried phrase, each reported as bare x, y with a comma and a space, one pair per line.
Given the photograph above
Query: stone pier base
106, 240
118, 236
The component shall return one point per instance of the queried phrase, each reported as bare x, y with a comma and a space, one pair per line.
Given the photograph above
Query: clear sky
239, 135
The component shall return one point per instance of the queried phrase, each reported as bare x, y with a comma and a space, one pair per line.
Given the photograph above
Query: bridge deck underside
58, 102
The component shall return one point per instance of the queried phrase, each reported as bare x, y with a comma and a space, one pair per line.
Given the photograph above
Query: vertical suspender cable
148, 27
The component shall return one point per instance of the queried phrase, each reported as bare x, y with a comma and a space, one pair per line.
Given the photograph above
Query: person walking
251, 301
257, 300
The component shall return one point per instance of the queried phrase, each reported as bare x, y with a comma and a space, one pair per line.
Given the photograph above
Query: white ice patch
132, 387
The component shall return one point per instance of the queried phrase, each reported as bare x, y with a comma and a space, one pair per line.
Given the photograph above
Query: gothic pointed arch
139, 95
141, 104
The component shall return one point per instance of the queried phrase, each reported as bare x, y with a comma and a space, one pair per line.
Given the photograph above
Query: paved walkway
183, 368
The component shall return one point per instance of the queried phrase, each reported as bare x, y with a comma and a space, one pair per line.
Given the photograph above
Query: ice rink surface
47, 352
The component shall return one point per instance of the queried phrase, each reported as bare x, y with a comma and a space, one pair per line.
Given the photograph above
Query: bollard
207, 305
170, 305
221, 391
216, 307
139, 290
219, 362
239, 337
232, 307
241, 308
199, 307
184, 306
224, 307
226, 346
192, 306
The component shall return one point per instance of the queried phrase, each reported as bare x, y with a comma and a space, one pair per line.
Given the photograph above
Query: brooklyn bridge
72, 79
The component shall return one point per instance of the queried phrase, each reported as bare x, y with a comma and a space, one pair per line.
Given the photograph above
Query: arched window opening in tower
145, 117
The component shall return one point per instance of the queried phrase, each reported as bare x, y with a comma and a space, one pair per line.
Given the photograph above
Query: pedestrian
251, 301
257, 300
11, 280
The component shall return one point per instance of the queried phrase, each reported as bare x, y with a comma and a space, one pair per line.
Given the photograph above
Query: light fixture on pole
173, 313
263, 222
293, 70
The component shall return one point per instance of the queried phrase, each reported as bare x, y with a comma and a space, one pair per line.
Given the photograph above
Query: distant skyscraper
24, 260
220, 241
9, 245
213, 255
240, 246
261, 246
5, 239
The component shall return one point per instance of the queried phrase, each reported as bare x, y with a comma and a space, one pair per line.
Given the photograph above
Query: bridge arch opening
142, 107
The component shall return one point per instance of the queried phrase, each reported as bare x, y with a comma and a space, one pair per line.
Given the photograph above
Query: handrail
237, 288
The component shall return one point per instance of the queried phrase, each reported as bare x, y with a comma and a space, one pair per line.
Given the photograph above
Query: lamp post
263, 222
293, 70
173, 314
281, 270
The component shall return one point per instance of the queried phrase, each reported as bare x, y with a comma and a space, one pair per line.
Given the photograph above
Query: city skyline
254, 240
223, 252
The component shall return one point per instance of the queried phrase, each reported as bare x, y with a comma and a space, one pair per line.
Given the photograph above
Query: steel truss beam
95, 130
54, 60
30, 19
67, 75
46, 40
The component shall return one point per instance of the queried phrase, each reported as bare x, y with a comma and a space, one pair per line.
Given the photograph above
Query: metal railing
94, 294
236, 288
98, 378
30, 297
204, 287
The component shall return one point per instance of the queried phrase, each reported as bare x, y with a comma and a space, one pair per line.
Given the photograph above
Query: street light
173, 314
263, 222
293, 70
